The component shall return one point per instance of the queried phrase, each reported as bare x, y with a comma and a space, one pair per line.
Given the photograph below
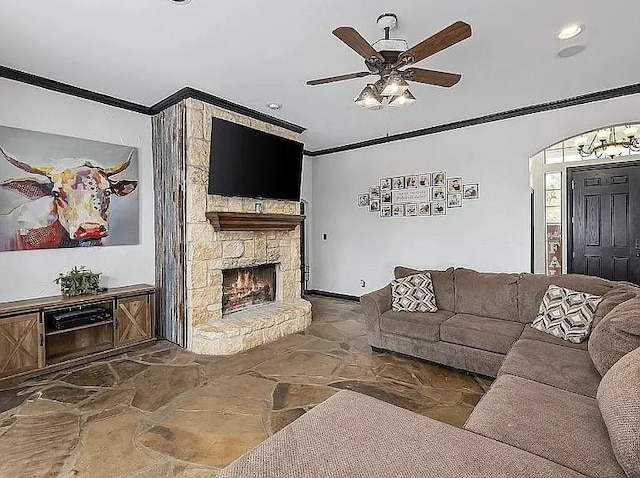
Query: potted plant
79, 281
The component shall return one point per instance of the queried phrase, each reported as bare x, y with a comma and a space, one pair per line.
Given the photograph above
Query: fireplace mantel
241, 221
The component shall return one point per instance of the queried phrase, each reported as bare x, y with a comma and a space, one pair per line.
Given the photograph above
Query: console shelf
80, 327
28, 347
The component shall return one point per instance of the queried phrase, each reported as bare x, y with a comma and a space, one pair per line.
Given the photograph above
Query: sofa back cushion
486, 294
616, 334
619, 402
442, 284
532, 287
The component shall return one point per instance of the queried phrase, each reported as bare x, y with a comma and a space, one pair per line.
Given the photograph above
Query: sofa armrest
374, 304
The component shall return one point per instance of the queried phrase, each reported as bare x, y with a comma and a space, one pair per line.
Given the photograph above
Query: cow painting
64, 204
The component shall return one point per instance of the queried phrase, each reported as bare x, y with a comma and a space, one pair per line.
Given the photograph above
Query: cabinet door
133, 319
19, 344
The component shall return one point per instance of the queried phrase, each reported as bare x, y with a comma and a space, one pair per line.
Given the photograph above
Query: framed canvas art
63, 192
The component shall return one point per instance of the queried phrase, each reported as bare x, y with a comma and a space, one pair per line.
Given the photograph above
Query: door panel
606, 229
19, 344
133, 320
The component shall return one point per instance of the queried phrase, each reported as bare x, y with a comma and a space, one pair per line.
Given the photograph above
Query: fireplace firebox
248, 286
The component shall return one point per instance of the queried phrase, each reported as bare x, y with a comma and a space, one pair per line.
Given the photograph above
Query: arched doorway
564, 217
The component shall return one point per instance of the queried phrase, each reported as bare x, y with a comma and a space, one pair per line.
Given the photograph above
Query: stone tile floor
164, 412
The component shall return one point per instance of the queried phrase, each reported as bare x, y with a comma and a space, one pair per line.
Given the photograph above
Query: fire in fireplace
248, 286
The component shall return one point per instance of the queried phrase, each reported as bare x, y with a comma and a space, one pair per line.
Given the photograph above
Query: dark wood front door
605, 217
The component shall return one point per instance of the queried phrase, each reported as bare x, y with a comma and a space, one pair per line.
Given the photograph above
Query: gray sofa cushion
619, 401
617, 334
416, 325
442, 284
562, 367
532, 287
483, 333
533, 334
355, 436
616, 296
555, 424
486, 294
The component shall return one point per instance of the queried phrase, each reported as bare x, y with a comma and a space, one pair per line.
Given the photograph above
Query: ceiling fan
388, 58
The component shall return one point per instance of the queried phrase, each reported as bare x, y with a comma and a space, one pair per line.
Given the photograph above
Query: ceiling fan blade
451, 35
357, 43
431, 77
331, 79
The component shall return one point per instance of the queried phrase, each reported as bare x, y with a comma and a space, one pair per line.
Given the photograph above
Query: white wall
28, 274
490, 234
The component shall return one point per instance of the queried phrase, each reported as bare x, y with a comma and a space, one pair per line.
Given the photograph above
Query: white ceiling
256, 51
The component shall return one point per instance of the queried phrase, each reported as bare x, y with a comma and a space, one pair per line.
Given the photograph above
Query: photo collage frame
418, 195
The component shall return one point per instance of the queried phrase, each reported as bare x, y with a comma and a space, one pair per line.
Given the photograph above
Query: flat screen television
250, 163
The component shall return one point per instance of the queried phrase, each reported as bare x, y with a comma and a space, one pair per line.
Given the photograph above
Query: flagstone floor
164, 412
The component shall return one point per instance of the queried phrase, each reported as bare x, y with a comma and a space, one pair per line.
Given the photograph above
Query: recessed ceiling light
180, 2
274, 106
570, 31
570, 51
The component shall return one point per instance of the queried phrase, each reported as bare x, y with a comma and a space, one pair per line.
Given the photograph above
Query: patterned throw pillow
413, 293
566, 314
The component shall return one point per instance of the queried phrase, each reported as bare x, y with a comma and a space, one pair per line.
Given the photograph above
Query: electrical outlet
362, 283
324, 237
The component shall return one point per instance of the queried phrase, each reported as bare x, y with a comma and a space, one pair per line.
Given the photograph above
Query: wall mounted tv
251, 163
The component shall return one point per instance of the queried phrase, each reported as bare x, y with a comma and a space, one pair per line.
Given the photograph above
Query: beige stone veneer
209, 252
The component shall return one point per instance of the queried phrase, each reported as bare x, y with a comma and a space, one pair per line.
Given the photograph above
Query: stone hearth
209, 252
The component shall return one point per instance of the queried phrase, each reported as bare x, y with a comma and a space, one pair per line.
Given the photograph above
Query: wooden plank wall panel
169, 156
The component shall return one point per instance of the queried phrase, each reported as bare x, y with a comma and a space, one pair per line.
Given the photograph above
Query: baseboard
333, 295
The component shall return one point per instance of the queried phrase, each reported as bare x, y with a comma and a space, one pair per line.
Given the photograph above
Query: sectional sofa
556, 409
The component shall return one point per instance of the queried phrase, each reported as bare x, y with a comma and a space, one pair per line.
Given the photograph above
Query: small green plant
79, 281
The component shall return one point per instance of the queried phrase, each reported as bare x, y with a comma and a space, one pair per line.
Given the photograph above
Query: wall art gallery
426, 194
57, 191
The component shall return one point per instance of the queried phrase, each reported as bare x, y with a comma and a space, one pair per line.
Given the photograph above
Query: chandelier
610, 142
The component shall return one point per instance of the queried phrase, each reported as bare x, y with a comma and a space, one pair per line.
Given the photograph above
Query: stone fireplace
212, 253
245, 287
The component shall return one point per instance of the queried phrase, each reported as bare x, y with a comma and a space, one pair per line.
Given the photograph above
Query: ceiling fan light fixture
404, 99
394, 85
368, 97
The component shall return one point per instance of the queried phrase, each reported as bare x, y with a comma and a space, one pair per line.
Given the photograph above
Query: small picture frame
363, 200
411, 181
454, 200
385, 210
374, 205
439, 208
411, 209
374, 192
424, 180
385, 184
397, 210
397, 182
439, 179
424, 209
454, 185
386, 197
470, 191
438, 193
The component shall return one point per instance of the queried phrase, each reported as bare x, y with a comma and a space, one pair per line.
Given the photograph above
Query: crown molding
184, 93
67, 89
188, 92
503, 115
195, 94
